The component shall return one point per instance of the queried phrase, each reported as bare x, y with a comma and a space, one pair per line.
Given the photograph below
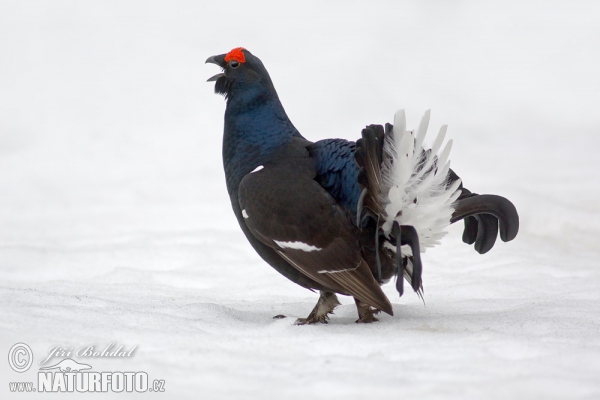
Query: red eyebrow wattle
236, 54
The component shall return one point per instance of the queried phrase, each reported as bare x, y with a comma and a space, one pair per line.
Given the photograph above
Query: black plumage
315, 211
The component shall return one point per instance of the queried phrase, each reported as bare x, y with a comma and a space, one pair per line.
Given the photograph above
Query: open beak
220, 61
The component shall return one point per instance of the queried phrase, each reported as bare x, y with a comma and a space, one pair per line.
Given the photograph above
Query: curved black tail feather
407, 235
483, 215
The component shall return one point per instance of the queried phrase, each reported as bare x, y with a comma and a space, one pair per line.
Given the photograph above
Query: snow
116, 225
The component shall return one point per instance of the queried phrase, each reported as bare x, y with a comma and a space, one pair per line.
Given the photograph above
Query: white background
115, 224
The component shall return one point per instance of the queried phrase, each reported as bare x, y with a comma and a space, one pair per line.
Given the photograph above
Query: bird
338, 216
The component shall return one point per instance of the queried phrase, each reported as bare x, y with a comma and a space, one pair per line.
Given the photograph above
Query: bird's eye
234, 64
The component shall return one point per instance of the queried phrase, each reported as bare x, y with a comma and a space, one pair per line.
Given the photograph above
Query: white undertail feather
415, 181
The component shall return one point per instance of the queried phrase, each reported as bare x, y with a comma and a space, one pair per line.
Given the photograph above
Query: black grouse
340, 216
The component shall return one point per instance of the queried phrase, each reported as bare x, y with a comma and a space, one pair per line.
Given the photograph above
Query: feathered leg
366, 313
320, 314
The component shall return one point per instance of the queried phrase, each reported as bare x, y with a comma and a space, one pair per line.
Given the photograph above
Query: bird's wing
337, 171
287, 210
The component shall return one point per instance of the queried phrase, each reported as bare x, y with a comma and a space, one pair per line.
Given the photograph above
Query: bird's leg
365, 312
320, 314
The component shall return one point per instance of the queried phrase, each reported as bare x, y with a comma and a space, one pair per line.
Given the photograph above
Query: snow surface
116, 225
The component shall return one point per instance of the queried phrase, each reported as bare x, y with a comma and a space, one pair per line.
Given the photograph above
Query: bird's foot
320, 314
311, 320
366, 313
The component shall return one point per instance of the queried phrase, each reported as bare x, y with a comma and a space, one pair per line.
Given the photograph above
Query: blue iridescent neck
256, 125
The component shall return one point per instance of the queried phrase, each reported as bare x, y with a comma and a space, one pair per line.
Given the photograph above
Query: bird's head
244, 76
